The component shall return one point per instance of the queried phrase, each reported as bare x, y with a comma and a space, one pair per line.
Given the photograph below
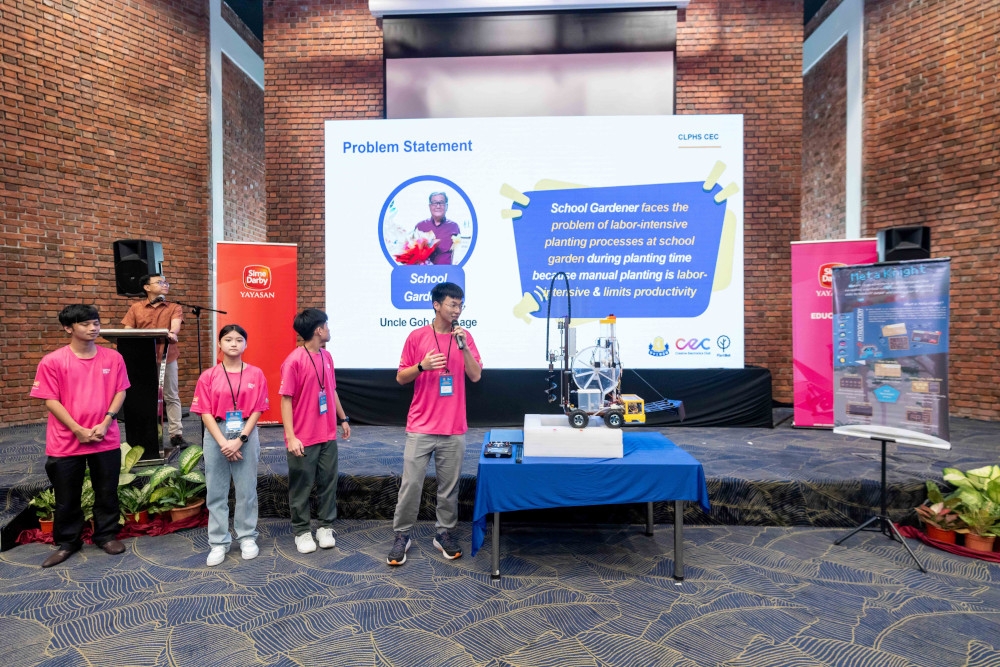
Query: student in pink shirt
437, 359
83, 386
310, 413
230, 398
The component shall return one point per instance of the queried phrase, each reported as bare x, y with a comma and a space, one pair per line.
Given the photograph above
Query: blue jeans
218, 472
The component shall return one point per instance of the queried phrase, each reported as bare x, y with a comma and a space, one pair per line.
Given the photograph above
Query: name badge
234, 424
322, 402
446, 385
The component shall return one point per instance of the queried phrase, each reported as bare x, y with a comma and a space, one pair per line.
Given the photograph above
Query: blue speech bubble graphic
631, 251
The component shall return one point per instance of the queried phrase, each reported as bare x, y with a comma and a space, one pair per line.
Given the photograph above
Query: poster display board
812, 313
643, 213
256, 284
890, 337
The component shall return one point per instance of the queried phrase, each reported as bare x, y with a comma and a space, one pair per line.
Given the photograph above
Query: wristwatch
340, 421
420, 367
244, 438
113, 415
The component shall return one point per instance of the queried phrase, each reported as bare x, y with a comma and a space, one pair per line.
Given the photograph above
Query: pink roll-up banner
812, 321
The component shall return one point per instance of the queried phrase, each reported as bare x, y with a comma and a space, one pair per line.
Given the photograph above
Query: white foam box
551, 435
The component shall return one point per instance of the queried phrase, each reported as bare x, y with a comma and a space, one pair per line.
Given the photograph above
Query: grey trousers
448, 451
172, 400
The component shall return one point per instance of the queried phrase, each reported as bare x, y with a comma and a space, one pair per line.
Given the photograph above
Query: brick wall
824, 147
931, 155
103, 128
323, 61
745, 57
243, 156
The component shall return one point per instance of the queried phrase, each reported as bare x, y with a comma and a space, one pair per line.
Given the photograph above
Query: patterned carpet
752, 596
570, 594
756, 476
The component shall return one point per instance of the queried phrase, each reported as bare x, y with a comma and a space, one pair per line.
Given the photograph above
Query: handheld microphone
459, 338
159, 298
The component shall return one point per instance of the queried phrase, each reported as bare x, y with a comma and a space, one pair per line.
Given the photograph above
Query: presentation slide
644, 214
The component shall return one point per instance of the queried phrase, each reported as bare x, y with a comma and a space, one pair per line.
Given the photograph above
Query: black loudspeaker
898, 244
133, 260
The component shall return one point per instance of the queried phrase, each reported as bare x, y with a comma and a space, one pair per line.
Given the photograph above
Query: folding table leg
495, 572
679, 540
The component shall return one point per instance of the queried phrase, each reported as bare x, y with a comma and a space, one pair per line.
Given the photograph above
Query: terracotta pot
978, 542
940, 534
181, 513
46, 526
138, 518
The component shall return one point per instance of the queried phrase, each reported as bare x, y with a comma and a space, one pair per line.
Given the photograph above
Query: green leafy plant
131, 500
178, 487
45, 504
87, 497
940, 510
978, 493
130, 456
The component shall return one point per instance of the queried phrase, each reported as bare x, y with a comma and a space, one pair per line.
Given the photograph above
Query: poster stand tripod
886, 434
196, 310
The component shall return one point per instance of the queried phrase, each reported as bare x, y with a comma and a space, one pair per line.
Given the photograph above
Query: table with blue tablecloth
652, 469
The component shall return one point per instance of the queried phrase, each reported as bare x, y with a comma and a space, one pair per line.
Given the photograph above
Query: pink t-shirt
301, 376
214, 394
430, 413
85, 387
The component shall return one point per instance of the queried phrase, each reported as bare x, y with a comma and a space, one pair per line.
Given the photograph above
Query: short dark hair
307, 321
78, 312
144, 280
442, 291
232, 327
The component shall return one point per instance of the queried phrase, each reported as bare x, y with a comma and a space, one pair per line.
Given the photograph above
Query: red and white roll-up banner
256, 284
812, 322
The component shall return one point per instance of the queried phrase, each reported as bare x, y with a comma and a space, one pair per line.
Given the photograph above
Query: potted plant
978, 492
132, 501
45, 508
180, 489
132, 504
939, 516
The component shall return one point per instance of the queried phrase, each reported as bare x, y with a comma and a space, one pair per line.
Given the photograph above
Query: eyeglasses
439, 203
454, 306
160, 282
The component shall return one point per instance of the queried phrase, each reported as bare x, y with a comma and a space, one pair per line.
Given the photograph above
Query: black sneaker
177, 441
448, 547
399, 548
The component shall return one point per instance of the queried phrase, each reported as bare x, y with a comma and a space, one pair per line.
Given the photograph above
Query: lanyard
238, 387
322, 387
448, 356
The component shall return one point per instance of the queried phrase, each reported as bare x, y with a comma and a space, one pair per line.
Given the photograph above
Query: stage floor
756, 476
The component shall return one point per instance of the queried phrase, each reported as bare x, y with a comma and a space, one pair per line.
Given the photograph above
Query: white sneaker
325, 538
216, 555
248, 549
304, 543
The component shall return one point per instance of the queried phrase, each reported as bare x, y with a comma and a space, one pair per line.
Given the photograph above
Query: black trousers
66, 474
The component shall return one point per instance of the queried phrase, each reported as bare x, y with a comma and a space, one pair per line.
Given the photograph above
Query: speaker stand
884, 523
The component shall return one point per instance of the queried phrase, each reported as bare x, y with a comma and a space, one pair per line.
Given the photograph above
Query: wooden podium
143, 424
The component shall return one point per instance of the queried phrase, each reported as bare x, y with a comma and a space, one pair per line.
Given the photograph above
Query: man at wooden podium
155, 312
